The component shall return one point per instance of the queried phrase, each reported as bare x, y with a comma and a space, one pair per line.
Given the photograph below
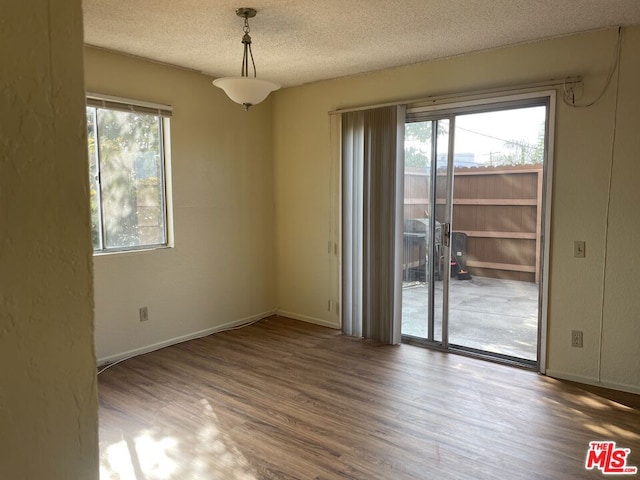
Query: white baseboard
623, 387
190, 336
593, 381
305, 318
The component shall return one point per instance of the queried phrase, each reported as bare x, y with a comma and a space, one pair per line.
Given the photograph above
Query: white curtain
372, 216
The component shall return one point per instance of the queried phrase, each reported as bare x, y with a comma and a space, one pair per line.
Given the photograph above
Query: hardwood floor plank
282, 399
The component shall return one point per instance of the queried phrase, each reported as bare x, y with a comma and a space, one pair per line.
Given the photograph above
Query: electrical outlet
579, 249
576, 338
144, 314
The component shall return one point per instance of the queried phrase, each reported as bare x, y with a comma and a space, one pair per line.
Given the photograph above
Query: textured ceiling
301, 41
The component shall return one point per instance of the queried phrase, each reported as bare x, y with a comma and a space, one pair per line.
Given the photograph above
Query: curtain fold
352, 222
372, 210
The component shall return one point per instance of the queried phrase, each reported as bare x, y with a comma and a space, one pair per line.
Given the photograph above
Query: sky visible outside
488, 134
492, 135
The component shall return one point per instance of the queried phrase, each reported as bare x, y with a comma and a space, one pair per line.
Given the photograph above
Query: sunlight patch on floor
153, 455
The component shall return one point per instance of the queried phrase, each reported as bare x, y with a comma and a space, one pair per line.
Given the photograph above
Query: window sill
137, 251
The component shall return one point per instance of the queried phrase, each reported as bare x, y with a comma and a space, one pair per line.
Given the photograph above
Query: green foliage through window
417, 151
126, 173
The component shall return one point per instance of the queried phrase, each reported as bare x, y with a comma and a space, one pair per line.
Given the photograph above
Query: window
127, 174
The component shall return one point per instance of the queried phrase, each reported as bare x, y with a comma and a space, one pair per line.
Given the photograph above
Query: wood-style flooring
282, 399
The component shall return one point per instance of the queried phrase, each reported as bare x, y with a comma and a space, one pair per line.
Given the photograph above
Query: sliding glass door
498, 211
426, 225
473, 224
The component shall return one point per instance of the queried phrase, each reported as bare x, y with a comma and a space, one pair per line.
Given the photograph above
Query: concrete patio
499, 316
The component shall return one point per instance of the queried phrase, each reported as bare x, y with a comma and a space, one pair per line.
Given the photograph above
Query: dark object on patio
416, 248
464, 275
459, 255
454, 268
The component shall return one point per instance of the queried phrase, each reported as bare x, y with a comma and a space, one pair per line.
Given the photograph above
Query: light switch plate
579, 249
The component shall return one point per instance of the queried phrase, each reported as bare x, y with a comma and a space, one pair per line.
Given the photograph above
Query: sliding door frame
449, 110
445, 247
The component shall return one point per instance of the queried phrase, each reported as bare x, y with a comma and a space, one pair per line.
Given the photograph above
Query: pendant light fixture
246, 90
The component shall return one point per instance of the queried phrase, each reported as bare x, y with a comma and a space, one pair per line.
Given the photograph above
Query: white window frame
164, 112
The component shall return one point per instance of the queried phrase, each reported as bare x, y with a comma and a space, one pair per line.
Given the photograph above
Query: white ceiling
301, 41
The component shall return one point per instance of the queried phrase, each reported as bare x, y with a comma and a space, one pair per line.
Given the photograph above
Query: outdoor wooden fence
498, 208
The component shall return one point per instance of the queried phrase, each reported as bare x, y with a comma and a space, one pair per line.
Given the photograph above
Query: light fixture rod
247, 13
246, 40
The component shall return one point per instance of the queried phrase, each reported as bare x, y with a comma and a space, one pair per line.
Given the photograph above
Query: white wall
221, 269
48, 408
621, 321
578, 291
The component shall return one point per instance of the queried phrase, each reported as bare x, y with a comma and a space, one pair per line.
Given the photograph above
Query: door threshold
495, 357
473, 353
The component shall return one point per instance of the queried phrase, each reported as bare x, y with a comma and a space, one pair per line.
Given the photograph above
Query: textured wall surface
48, 410
221, 268
579, 291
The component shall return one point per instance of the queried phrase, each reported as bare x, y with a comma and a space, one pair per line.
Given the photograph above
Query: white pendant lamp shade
246, 91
